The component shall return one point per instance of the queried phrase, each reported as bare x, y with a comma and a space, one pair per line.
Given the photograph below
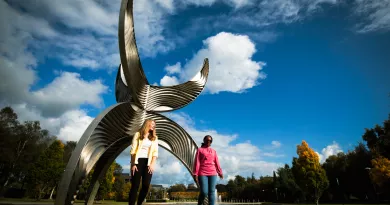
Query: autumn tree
378, 140
119, 182
177, 188
381, 170
107, 182
309, 173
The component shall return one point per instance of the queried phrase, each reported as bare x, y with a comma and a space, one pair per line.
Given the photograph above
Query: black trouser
142, 167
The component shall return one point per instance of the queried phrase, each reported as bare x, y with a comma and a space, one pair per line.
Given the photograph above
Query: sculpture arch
111, 132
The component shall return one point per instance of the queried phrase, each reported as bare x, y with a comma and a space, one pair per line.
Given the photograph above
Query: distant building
126, 177
158, 187
192, 188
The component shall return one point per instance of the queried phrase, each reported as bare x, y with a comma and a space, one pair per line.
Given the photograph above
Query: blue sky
280, 71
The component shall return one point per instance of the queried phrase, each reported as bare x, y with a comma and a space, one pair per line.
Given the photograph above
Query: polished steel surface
111, 132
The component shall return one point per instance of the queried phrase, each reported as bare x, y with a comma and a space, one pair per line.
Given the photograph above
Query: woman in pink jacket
206, 169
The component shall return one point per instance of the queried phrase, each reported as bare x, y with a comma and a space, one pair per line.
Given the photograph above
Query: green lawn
110, 202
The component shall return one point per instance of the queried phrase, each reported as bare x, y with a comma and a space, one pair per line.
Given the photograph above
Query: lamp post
338, 185
276, 191
369, 178
263, 195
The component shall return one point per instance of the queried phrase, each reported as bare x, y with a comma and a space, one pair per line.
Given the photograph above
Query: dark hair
205, 138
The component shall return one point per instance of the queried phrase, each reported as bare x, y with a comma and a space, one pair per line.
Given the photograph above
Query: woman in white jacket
144, 153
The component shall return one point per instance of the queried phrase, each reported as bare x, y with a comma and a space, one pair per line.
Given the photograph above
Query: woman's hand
151, 168
196, 179
221, 176
134, 169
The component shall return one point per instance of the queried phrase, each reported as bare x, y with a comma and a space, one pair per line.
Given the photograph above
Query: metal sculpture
111, 132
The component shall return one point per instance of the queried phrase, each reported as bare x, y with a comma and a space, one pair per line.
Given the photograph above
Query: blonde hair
145, 129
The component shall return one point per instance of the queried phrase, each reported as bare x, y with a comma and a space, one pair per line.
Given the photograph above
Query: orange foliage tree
378, 140
380, 172
308, 172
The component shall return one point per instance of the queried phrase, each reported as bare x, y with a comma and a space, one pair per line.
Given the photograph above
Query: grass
111, 202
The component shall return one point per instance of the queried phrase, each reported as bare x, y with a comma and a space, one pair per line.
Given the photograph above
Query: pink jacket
206, 162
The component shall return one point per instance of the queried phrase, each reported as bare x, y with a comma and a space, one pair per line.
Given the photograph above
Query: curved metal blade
150, 98
175, 139
103, 164
108, 127
168, 98
122, 92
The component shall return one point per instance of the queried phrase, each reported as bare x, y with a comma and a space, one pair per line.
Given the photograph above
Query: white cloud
276, 144
376, 15
55, 105
169, 80
69, 126
167, 4
272, 154
269, 12
73, 125
240, 3
272, 150
172, 69
87, 37
231, 66
329, 150
68, 91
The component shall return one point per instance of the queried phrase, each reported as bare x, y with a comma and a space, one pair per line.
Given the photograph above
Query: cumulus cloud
329, 150
68, 126
87, 37
232, 68
249, 160
56, 104
172, 69
68, 91
169, 80
18, 70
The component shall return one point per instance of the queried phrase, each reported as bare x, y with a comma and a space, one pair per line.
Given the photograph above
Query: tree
177, 188
119, 182
20, 145
8, 128
380, 173
378, 139
232, 189
118, 187
117, 169
69, 147
335, 167
47, 171
220, 187
307, 169
287, 187
107, 182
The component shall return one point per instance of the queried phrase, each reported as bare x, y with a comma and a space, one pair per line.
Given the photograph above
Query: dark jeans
207, 188
142, 167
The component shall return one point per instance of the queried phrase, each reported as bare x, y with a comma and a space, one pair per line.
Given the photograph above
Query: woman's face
207, 141
152, 125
